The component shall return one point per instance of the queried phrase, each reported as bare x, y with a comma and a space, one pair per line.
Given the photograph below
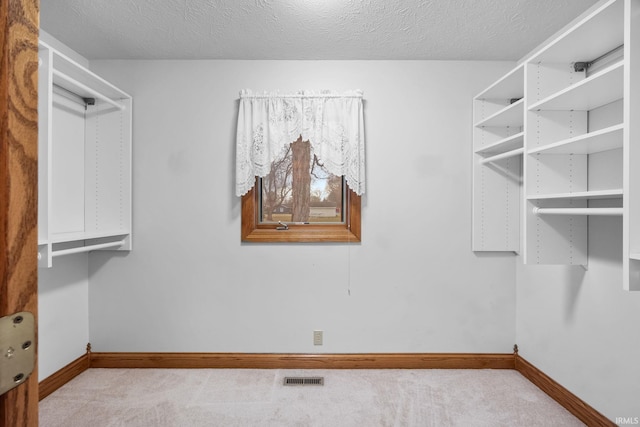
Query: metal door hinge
17, 349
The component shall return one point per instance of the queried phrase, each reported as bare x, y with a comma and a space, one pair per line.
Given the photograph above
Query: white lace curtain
333, 124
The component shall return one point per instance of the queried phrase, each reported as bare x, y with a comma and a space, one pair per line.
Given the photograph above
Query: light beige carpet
239, 397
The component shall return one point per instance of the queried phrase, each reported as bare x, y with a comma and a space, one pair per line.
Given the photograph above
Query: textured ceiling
306, 29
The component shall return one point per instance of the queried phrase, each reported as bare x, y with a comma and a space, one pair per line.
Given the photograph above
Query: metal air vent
303, 380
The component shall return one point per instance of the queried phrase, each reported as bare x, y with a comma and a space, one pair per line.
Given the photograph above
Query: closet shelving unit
574, 134
84, 168
498, 142
631, 147
580, 139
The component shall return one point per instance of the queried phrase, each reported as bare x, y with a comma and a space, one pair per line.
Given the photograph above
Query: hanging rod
578, 211
501, 156
299, 96
73, 96
81, 249
305, 95
585, 65
82, 86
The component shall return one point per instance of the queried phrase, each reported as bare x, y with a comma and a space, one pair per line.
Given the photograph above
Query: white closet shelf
502, 156
88, 248
589, 195
635, 256
69, 83
509, 86
605, 139
506, 144
78, 236
595, 91
85, 77
578, 211
600, 31
510, 116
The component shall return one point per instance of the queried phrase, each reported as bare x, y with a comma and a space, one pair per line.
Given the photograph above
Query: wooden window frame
254, 231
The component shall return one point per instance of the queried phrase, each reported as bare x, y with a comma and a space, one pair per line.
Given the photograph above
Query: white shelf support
578, 211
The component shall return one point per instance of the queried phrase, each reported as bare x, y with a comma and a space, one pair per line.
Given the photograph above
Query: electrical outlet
317, 337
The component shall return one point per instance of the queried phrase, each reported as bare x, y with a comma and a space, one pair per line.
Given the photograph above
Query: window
300, 166
299, 189
300, 201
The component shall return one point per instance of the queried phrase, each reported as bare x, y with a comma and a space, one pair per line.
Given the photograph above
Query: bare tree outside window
299, 189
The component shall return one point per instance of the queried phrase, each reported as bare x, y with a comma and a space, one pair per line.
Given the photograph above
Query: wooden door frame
19, 28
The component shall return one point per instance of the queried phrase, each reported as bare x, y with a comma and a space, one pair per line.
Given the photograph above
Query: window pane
311, 196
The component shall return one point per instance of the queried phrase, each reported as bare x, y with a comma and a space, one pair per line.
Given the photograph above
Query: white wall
63, 313
412, 285
579, 326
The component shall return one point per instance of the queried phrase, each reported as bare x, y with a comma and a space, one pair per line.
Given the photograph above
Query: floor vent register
303, 380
